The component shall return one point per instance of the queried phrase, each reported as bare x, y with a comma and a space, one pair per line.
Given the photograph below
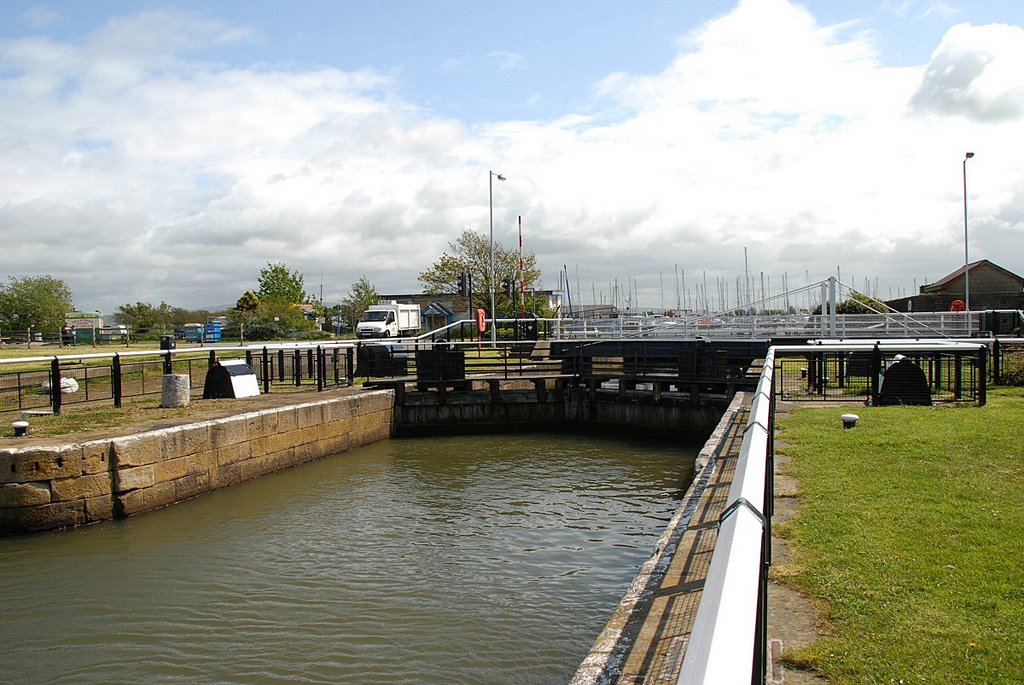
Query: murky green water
493, 559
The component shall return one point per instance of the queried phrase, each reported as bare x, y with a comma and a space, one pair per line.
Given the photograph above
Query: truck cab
375, 324
389, 320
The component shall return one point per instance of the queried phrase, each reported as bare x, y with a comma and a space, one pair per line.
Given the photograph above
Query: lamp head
502, 178
969, 155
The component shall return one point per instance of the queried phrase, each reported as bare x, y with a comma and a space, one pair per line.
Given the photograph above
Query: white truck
389, 320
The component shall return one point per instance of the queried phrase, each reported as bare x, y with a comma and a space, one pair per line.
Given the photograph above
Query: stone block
135, 478
259, 446
233, 453
227, 432
25, 494
132, 502
51, 516
281, 460
99, 509
203, 462
138, 450
267, 463
188, 439
226, 475
160, 495
191, 485
81, 487
310, 451
286, 420
96, 457
29, 464
171, 469
281, 441
338, 444
309, 415
254, 424
333, 429
333, 411
270, 423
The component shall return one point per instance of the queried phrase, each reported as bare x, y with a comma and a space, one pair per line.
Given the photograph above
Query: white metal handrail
723, 641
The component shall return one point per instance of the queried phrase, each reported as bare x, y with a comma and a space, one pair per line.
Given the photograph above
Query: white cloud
138, 172
976, 73
40, 17
507, 60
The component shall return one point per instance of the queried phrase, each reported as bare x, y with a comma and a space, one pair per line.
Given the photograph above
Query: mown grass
910, 538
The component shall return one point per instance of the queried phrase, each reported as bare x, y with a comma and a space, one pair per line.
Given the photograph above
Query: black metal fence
685, 366
456, 360
951, 375
1007, 365
113, 378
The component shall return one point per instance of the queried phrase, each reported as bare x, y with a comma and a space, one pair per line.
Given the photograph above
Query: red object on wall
957, 306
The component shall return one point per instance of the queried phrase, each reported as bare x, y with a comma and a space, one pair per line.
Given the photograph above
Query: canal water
473, 559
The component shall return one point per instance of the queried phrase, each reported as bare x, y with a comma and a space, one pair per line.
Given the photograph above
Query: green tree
244, 312
248, 302
144, 316
278, 283
37, 301
471, 252
359, 299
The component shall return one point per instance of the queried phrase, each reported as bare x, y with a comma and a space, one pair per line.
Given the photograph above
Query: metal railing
454, 360
630, 362
1007, 367
728, 643
845, 371
50, 383
800, 326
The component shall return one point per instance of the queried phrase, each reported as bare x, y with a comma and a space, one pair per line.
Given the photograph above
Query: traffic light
463, 284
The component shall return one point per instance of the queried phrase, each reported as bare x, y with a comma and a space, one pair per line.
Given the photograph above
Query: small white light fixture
849, 420
20, 428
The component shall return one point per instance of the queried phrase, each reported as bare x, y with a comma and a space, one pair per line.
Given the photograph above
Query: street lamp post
490, 193
967, 273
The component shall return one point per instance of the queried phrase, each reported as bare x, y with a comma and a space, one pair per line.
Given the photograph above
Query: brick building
992, 287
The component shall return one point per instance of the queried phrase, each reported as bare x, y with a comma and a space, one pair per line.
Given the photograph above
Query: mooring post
996, 370
267, 367
982, 380
115, 380
55, 385
876, 374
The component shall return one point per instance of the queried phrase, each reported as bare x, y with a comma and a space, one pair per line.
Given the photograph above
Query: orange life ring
481, 320
958, 306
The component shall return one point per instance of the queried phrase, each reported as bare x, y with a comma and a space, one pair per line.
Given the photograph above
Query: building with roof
991, 287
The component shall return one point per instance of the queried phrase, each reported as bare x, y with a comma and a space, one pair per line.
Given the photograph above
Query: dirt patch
792, 619
139, 419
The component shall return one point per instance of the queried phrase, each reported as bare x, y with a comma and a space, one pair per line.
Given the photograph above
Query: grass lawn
911, 538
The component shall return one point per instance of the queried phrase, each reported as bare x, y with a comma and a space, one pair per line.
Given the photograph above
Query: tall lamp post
490, 194
967, 273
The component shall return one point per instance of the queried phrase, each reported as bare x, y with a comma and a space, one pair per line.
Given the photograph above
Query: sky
167, 152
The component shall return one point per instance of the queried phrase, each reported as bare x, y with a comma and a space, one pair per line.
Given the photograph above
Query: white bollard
175, 390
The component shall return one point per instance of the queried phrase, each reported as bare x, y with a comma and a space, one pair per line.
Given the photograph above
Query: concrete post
175, 390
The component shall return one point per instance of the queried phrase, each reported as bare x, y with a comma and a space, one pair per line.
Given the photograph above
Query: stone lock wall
51, 487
